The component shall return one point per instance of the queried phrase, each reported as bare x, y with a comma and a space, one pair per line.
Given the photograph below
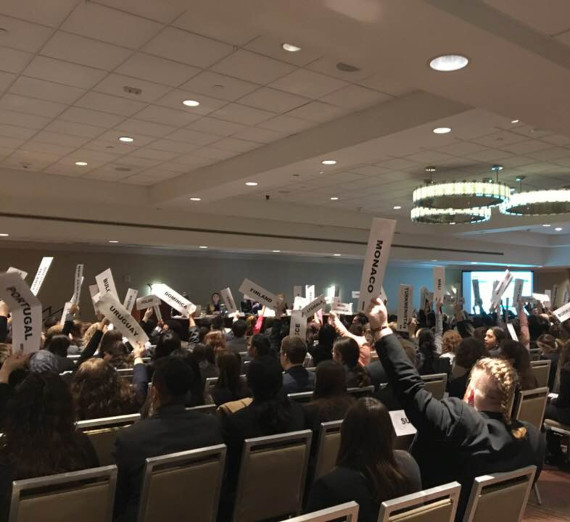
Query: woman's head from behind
327, 336
259, 346
217, 340
330, 380
548, 344
58, 345
450, 341
265, 379
346, 351
229, 365
166, 344
469, 351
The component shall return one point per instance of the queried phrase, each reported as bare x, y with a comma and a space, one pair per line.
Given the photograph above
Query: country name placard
314, 306
563, 313
77, 284
501, 288
298, 326
405, 306
122, 320
174, 299
130, 299
106, 283
259, 294
41, 275
228, 300
438, 283
147, 301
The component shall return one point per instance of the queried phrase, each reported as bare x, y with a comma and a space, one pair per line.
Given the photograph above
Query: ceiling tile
155, 10
218, 127
105, 146
13, 61
151, 154
172, 146
175, 98
192, 161
141, 180
29, 160
259, 135
176, 118
112, 136
242, 114
11, 131
273, 100
308, 83
9, 142
144, 127
48, 148
23, 36
115, 84
253, 67
286, 124
63, 72
174, 167
490, 155
105, 174
462, 148
64, 168
551, 154
235, 145
188, 48
112, 104
74, 129
44, 90
96, 118
136, 164
381, 83
84, 51
210, 153
110, 25
31, 105
272, 47
526, 146
557, 139
219, 86
316, 111
328, 65
5, 80
22, 120
158, 70
355, 97
50, 13
60, 139
193, 137
499, 140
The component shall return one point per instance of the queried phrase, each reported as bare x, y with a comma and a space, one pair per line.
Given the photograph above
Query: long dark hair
330, 380
519, 357
367, 445
196, 397
349, 353
39, 429
229, 378
427, 348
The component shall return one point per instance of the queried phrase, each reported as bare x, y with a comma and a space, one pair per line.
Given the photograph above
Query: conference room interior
330, 153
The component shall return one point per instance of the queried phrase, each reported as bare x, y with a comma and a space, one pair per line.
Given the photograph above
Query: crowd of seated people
248, 372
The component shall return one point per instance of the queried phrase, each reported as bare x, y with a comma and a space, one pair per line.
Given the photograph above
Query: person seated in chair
296, 378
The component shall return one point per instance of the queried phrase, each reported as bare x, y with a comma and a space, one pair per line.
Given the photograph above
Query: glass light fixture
538, 203
450, 216
461, 195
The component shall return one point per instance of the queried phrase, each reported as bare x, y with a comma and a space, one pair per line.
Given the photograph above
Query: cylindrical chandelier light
450, 216
461, 195
538, 203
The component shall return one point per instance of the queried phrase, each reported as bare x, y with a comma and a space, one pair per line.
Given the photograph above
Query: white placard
565, 296
341, 308
260, 294
438, 283
122, 320
77, 283
65, 312
356, 294
26, 311
130, 299
298, 326
297, 291
401, 423
13, 269
543, 298
554, 295
517, 293
477, 293
405, 306
41, 275
501, 288
95, 295
299, 303
512, 332
228, 299
174, 299
313, 307
157, 312
106, 283
147, 301
375, 261
563, 312
309, 293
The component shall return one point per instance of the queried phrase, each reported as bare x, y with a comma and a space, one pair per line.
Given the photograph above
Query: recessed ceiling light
334, 198
126, 139
452, 223
397, 207
290, 48
191, 103
336, 255
558, 229
276, 251
442, 130
329, 162
449, 62
251, 183
113, 241
520, 178
546, 225
195, 199
514, 121
203, 246
4, 235
81, 163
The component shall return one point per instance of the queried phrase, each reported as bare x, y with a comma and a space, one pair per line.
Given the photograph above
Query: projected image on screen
486, 281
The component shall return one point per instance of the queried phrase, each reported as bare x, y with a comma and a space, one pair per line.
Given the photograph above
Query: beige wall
546, 279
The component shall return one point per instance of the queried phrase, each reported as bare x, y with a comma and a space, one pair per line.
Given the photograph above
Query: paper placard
13, 269
228, 300
383, 296
297, 291
260, 294
26, 311
309, 293
95, 295
501, 288
565, 296
563, 312
65, 312
147, 301
77, 283
375, 261
41, 275
341, 308
174, 299
438, 283
313, 307
512, 332
405, 306
157, 312
298, 326
477, 293
543, 298
122, 320
299, 303
130, 299
449, 299
517, 293
401, 423
554, 295
356, 294
106, 283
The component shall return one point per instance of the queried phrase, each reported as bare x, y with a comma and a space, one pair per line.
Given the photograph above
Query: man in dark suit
296, 378
459, 440
170, 430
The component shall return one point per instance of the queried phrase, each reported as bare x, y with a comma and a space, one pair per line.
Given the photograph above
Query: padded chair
365, 391
272, 476
86, 495
558, 427
431, 505
210, 383
541, 370
327, 448
301, 396
210, 409
126, 374
347, 512
531, 406
103, 432
502, 496
436, 384
184, 485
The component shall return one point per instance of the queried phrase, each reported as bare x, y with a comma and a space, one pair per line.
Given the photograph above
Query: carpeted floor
554, 487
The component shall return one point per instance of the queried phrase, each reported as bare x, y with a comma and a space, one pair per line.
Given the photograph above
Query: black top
171, 430
222, 395
326, 410
321, 353
377, 374
455, 441
344, 484
298, 379
458, 386
563, 400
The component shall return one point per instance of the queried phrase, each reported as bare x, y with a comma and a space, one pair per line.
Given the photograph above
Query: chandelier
450, 216
461, 195
537, 203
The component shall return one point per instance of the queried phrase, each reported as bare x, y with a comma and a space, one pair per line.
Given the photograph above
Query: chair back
210, 409
184, 485
541, 370
327, 447
347, 512
103, 432
502, 496
272, 476
210, 384
431, 505
436, 384
531, 406
364, 391
301, 396
86, 495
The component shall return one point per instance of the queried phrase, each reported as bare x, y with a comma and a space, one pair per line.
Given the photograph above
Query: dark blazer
298, 379
377, 374
454, 441
344, 484
171, 430
237, 344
